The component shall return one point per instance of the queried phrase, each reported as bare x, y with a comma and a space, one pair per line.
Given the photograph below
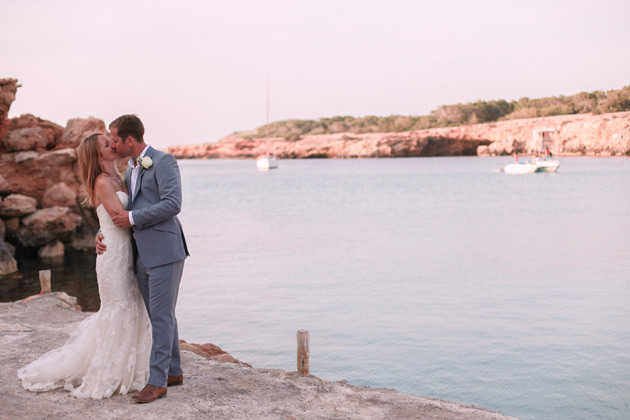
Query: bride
109, 351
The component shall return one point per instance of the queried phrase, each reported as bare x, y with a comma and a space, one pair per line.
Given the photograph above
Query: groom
155, 192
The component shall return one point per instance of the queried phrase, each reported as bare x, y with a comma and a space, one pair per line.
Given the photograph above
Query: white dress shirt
135, 170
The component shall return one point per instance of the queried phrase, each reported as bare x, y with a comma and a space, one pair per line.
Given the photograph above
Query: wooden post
303, 351
44, 281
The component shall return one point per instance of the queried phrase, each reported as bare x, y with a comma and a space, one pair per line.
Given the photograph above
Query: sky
195, 71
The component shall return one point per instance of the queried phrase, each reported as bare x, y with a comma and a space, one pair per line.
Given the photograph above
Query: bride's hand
100, 246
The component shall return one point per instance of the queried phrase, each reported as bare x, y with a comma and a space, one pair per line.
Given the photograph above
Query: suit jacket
155, 203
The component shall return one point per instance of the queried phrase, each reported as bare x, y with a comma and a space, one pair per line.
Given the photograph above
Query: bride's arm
106, 194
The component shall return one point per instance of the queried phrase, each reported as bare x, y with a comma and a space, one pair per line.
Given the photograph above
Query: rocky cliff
580, 134
40, 194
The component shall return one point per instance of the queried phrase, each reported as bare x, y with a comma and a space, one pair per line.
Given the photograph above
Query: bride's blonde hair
89, 165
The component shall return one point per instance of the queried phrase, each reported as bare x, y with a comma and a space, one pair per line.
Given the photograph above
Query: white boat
520, 168
542, 140
547, 165
266, 162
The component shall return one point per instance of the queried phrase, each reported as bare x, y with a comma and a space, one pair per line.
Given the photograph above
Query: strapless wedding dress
109, 351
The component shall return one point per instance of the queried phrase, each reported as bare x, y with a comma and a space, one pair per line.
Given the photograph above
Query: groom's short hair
129, 125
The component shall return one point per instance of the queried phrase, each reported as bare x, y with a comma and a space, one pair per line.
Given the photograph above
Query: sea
439, 277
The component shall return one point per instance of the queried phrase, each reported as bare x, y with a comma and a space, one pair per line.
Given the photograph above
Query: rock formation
40, 194
580, 134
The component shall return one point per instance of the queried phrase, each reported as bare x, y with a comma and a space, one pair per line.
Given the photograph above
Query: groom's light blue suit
160, 250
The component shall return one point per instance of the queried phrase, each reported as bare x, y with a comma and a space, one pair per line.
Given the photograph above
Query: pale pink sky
195, 71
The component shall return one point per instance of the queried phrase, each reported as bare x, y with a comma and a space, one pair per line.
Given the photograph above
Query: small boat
542, 139
520, 168
547, 165
266, 162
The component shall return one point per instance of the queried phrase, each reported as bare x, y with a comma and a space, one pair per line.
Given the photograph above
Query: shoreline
211, 389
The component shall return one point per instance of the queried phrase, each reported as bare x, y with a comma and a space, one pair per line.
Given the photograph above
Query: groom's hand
100, 246
121, 219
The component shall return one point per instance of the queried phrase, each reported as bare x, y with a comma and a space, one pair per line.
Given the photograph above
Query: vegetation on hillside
459, 114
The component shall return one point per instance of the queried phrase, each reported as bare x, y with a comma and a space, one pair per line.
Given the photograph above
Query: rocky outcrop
79, 128
18, 205
580, 134
40, 194
47, 225
210, 352
52, 251
8, 89
59, 195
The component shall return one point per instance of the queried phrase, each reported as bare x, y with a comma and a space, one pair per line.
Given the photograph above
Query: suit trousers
159, 287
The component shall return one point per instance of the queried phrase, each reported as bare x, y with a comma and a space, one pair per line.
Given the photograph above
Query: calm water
434, 276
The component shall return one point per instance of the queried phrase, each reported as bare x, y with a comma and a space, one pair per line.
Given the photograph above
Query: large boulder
59, 195
29, 139
18, 205
51, 251
210, 352
32, 173
8, 264
79, 128
48, 224
30, 121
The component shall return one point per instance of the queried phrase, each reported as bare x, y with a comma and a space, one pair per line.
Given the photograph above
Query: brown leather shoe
175, 380
149, 394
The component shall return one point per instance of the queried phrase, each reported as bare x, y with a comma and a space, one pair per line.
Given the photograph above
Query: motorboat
547, 165
520, 168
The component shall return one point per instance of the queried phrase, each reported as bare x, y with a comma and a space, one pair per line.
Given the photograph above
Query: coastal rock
18, 205
59, 195
46, 225
25, 156
31, 173
5, 187
2, 230
28, 139
11, 225
210, 352
8, 89
11, 248
52, 251
51, 129
57, 157
8, 264
79, 128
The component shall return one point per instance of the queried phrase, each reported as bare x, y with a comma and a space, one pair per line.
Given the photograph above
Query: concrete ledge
212, 390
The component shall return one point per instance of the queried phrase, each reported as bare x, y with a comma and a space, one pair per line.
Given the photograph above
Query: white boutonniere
146, 162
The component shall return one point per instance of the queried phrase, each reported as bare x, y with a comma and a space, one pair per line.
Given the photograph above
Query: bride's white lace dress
109, 351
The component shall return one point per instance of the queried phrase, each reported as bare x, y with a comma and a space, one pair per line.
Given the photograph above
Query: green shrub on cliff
458, 114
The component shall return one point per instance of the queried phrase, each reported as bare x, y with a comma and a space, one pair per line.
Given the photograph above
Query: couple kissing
132, 342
